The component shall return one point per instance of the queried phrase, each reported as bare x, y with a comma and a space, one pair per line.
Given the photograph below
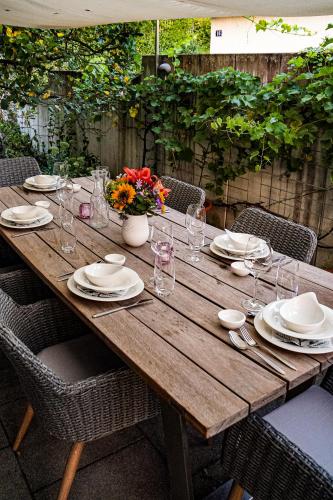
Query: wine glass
195, 222
258, 259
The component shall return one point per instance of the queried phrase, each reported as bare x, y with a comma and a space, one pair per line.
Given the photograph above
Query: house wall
237, 35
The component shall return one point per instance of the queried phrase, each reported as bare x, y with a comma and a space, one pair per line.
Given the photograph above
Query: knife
111, 311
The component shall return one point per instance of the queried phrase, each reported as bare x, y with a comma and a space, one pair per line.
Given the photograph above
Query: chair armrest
328, 380
24, 286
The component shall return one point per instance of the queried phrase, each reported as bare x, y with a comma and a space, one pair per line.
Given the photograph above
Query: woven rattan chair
289, 238
182, 194
14, 171
288, 453
78, 389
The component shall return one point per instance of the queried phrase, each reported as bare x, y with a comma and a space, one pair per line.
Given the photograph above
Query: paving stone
43, 457
12, 484
134, 473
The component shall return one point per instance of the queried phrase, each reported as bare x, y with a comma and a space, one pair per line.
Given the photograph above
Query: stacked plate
105, 283
41, 183
25, 217
300, 324
233, 246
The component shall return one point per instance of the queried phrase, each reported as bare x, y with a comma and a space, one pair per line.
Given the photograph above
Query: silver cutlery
243, 346
34, 231
111, 311
247, 337
69, 273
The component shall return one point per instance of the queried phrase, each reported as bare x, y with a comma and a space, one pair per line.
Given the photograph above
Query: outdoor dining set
118, 301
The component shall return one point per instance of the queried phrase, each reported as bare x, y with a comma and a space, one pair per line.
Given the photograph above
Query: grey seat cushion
79, 358
307, 421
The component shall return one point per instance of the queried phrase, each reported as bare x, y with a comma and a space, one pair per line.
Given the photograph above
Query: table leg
176, 444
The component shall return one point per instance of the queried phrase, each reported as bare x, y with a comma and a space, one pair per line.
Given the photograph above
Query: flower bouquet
134, 195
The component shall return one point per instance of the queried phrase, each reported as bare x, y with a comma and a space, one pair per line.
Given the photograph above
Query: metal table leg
176, 444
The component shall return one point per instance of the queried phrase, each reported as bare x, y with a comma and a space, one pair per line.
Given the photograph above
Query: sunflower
123, 195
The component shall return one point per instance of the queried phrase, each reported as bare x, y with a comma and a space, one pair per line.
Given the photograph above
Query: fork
252, 343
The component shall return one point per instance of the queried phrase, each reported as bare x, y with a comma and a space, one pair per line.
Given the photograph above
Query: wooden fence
305, 197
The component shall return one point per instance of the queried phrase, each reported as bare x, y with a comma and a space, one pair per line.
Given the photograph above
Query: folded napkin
94, 293
302, 343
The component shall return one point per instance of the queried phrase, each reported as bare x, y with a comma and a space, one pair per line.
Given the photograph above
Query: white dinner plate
123, 279
267, 333
273, 319
32, 182
132, 292
37, 223
227, 255
8, 216
222, 242
39, 189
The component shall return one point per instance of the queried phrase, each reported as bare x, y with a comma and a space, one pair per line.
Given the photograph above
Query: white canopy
76, 13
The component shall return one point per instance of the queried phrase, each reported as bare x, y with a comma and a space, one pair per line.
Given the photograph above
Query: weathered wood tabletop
176, 344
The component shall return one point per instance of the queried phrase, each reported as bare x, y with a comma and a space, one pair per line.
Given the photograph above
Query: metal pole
157, 45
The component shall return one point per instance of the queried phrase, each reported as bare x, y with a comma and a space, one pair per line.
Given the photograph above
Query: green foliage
13, 142
185, 36
227, 123
279, 25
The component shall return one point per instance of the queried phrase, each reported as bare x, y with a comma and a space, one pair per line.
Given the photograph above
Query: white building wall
239, 35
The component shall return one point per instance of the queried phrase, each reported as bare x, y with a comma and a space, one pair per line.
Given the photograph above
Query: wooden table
176, 344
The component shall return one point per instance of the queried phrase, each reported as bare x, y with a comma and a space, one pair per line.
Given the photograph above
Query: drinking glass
161, 240
195, 222
67, 219
60, 171
164, 272
287, 280
258, 260
99, 211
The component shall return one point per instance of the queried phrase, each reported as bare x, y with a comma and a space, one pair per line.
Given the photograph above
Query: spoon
243, 346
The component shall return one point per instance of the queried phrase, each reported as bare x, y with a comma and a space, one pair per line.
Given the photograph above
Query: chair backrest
14, 171
182, 194
287, 237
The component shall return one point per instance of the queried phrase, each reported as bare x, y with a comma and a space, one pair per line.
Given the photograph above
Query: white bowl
239, 268
25, 212
115, 258
231, 319
303, 314
101, 274
43, 204
240, 240
76, 188
44, 180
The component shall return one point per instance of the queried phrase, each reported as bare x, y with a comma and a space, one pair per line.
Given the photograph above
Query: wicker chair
288, 453
182, 194
289, 238
14, 171
78, 389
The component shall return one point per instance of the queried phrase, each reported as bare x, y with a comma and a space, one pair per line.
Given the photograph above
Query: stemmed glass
195, 222
258, 259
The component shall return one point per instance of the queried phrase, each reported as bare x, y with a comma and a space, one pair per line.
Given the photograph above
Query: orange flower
123, 195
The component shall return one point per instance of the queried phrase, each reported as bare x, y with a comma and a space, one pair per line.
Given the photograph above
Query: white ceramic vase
135, 230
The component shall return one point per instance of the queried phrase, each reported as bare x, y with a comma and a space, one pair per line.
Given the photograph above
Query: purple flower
138, 184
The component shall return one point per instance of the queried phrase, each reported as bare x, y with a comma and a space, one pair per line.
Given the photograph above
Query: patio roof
76, 13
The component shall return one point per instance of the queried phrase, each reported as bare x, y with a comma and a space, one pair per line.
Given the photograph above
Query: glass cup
195, 222
287, 280
164, 272
258, 260
68, 238
161, 240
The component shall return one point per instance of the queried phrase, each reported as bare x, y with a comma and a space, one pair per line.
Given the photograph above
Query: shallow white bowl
303, 314
42, 203
44, 180
76, 188
231, 318
25, 212
240, 240
239, 268
101, 274
115, 258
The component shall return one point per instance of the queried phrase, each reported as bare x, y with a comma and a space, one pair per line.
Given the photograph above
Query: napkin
302, 343
94, 293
